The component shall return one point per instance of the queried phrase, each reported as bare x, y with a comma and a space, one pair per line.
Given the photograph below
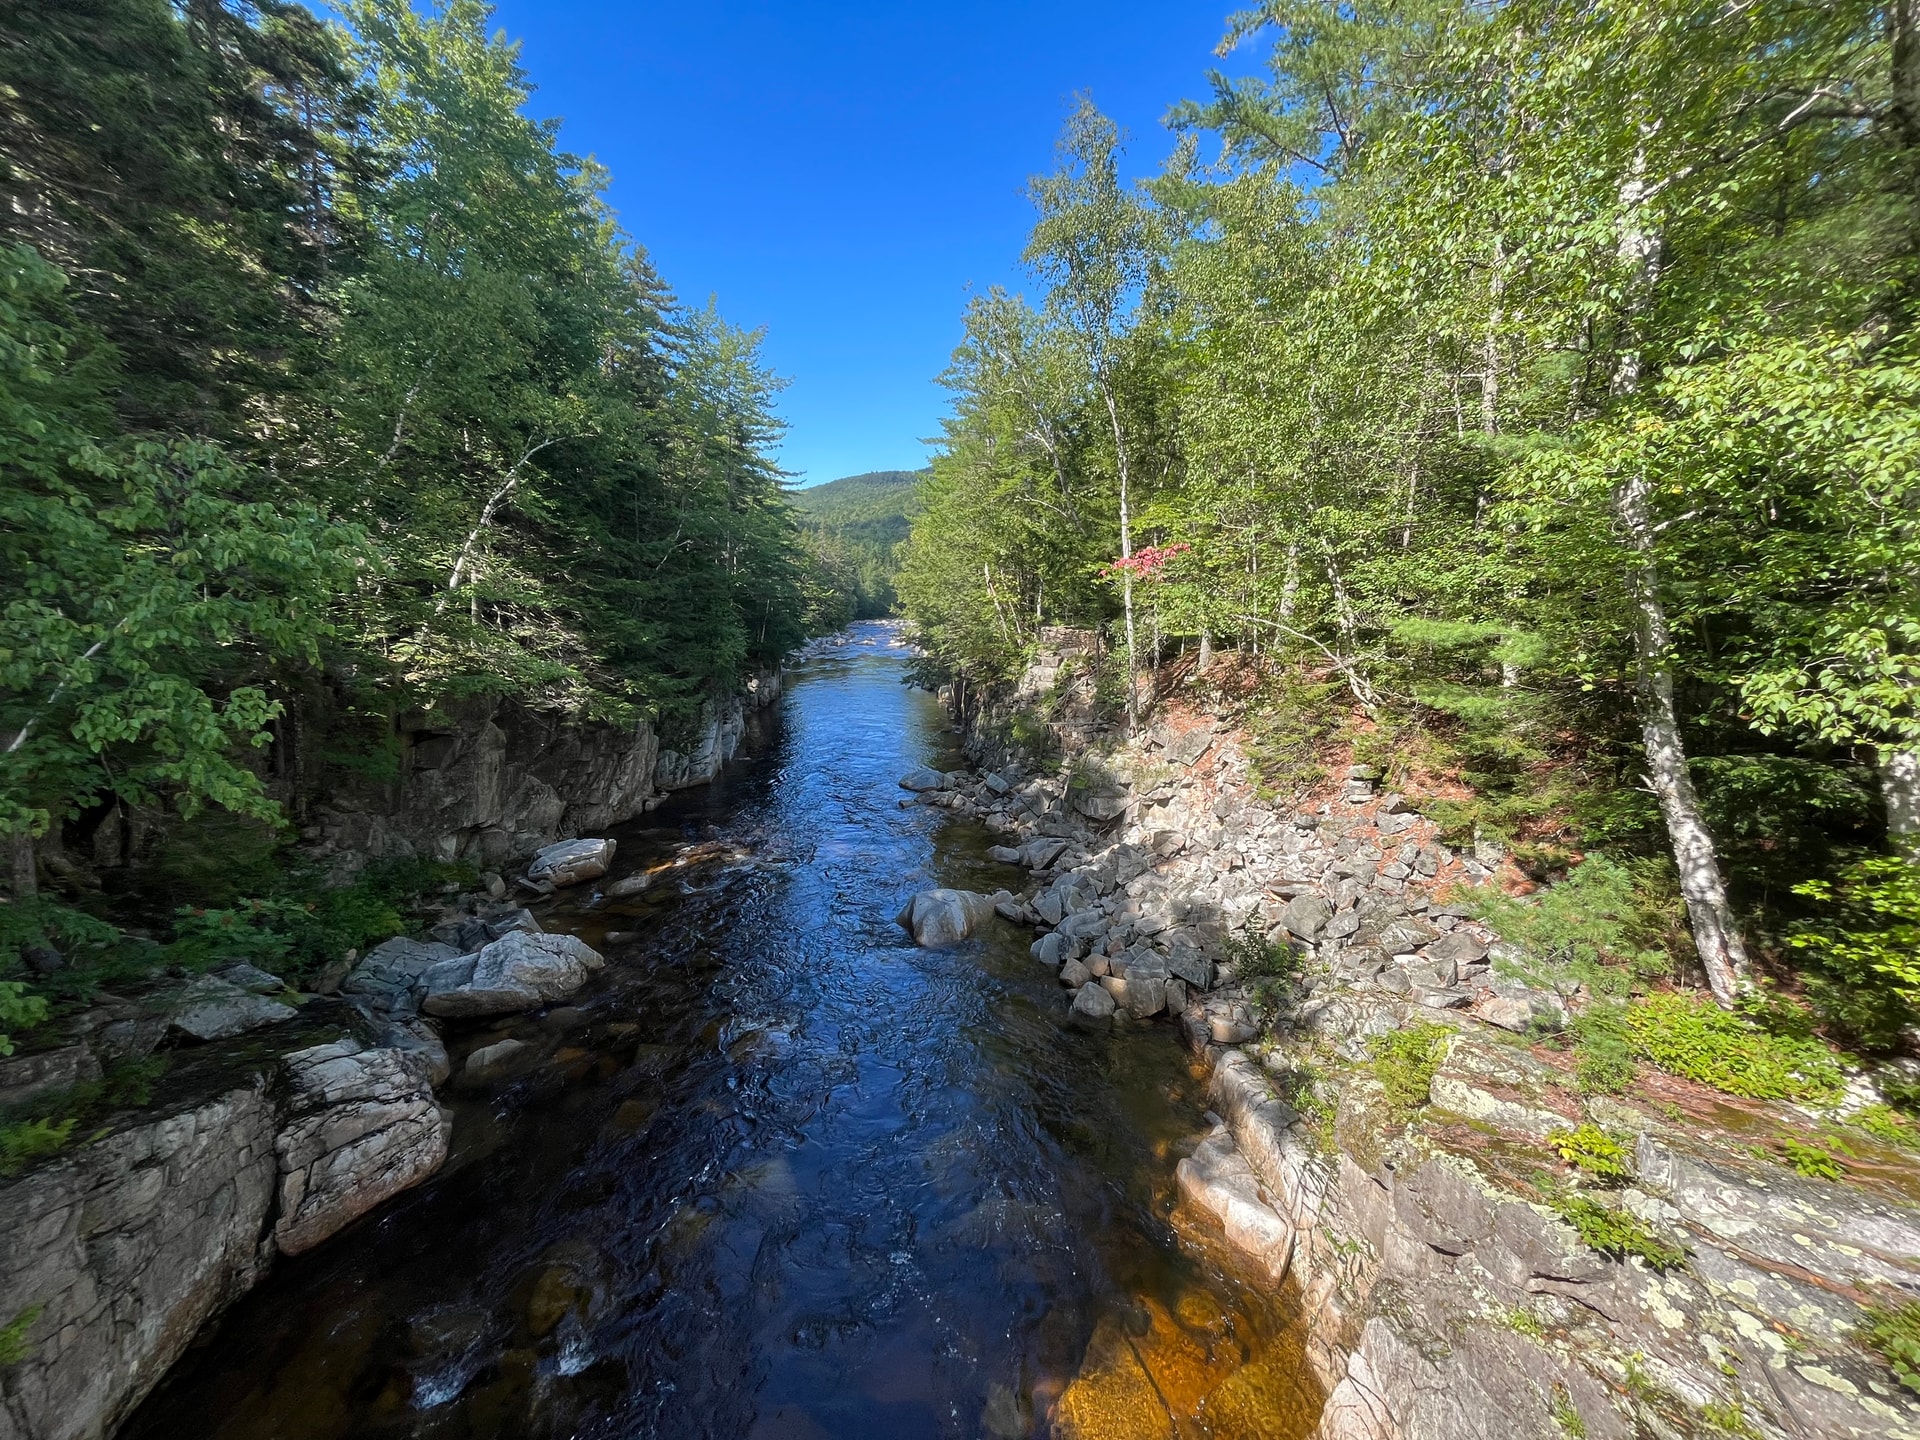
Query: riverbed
779, 1173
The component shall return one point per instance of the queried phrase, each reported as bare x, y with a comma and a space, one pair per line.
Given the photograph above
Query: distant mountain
855, 524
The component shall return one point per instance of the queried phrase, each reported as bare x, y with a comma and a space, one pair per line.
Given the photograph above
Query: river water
778, 1173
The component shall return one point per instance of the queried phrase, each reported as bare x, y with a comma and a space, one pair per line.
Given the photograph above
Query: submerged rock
941, 918
1218, 1178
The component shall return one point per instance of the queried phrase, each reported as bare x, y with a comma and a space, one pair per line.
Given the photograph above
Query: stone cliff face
121, 1250
1448, 1297
489, 781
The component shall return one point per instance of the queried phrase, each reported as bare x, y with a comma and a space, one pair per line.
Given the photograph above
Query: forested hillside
1525, 395
853, 526
321, 364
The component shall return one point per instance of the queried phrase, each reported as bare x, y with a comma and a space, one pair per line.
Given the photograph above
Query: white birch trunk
1716, 937
1900, 788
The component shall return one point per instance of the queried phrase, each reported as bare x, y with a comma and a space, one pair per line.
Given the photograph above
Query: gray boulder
389, 980
1092, 1002
494, 1062
571, 862
1460, 947
214, 1009
940, 918
922, 780
1306, 915
516, 972
362, 1126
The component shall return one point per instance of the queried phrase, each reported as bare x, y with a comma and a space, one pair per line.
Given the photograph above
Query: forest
853, 528
322, 363
1520, 398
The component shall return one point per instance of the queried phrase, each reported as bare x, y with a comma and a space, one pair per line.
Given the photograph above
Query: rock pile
1448, 1298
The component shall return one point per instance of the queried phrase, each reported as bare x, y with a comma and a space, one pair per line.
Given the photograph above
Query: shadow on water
781, 1174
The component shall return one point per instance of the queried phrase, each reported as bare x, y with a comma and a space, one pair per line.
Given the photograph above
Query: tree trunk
1715, 934
1205, 661
26, 877
1126, 553
1900, 787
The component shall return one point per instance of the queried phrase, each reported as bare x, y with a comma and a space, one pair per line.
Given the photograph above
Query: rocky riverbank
279, 1115
1457, 1269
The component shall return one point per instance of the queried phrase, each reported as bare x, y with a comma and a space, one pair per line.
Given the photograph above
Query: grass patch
1616, 1233
1405, 1061
1565, 1416
1594, 1152
1602, 1049
1697, 1040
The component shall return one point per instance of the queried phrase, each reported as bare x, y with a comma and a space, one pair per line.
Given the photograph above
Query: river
778, 1173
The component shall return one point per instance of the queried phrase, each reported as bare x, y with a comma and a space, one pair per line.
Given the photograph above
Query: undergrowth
1893, 1333
1594, 1152
1695, 1039
1615, 1232
1268, 969
1405, 1062
13, 1336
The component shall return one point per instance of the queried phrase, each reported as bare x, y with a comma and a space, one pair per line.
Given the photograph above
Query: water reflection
782, 1174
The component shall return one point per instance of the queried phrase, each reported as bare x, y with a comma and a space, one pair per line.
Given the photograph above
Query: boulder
23, 1077
1140, 985
1218, 1178
1091, 1002
1459, 947
1073, 975
940, 918
252, 978
362, 1126
1306, 915
922, 780
389, 980
1100, 804
1006, 855
1050, 949
1038, 854
571, 862
630, 886
214, 1009
493, 1062
516, 972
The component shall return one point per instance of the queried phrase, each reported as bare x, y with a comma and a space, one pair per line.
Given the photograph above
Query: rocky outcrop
490, 781
118, 1251
516, 972
1449, 1296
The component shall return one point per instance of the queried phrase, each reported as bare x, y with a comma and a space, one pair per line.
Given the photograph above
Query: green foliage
14, 1346
1603, 1048
24, 1141
1564, 1414
1267, 968
1405, 1062
1594, 1152
1886, 1124
852, 527
1691, 1037
43, 1126
1811, 1161
1291, 720
18, 1011
1893, 1333
1601, 927
1865, 948
1616, 1232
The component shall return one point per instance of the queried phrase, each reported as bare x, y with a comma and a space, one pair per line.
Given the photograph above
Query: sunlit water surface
779, 1173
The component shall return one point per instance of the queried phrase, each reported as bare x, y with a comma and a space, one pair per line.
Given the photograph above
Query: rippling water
781, 1174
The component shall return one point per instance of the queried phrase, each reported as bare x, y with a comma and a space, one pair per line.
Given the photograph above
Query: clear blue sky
841, 173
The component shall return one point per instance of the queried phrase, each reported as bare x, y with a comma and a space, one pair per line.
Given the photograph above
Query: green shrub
1405, 1061
1603, 927
24, 1141
1893, 1333
1616, 1233
1885, 1124
1864, 951
1811, 1160
1603, 1049
1696, 1039
1268, 969
1594, 1152
1291, 721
